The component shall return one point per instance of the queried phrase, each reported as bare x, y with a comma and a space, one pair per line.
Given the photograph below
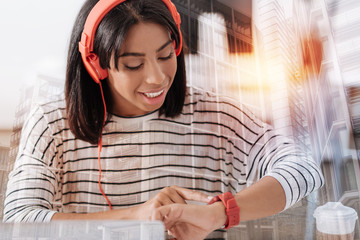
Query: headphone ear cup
96, 72
174, 45
179, 48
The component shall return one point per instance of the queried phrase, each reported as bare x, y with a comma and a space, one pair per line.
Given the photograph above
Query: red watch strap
232, 211
231, 208
214, 199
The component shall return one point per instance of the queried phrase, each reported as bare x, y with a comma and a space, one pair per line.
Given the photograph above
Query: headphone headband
86, 44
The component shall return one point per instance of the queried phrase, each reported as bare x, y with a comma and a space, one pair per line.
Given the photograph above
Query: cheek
124, 82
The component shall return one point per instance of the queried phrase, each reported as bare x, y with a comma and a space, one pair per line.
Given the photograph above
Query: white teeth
152, 95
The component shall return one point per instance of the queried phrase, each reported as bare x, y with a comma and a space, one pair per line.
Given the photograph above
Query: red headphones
86, 45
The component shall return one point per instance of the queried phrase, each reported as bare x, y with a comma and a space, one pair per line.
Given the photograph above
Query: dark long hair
84, 105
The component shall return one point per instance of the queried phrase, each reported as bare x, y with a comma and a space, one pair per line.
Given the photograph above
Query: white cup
335, 221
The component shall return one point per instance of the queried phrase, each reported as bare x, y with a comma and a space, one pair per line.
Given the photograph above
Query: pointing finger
192, 195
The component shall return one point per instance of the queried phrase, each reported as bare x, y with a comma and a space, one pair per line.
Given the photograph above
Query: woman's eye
167, 57
133, 68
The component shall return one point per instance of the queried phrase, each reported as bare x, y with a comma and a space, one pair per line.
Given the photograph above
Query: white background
34, 38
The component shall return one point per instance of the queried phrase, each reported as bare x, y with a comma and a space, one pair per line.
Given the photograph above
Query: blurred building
354, 108
44, 89
219, 36
256, 66
322, 113
276, 42
267, 73
256, 59
276, 36
332, 97
4, 170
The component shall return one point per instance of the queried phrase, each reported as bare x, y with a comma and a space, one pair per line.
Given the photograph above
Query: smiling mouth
154, 94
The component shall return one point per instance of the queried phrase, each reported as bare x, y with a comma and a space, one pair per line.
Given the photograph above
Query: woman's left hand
188, 221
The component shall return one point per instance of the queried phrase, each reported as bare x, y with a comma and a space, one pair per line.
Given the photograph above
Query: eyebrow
135, 54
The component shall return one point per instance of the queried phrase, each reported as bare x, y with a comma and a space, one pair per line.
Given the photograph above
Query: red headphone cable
100, 147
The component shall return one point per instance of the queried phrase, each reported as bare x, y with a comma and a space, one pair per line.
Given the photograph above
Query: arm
166, 196
32, 183
262, 199
285, 176
118, 214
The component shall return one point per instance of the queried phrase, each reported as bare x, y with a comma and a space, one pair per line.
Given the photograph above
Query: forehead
143, 37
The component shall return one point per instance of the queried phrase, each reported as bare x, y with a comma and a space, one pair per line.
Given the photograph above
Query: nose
155, 73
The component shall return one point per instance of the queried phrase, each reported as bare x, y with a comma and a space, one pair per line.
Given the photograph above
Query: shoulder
48, 114
44, 119
54, 109
200, 100
199, 96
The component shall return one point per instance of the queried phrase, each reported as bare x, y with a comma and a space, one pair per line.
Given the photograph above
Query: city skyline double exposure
294, 64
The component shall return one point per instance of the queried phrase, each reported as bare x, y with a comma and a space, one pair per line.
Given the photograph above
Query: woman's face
146, 70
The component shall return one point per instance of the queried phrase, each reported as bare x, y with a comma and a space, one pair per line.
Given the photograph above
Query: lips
154, 94
154, 97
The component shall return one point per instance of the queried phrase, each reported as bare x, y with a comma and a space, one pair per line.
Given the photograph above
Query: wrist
231, 208
219, 214
122, 214
135, 213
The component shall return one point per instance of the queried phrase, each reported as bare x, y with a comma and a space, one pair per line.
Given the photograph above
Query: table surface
105, 230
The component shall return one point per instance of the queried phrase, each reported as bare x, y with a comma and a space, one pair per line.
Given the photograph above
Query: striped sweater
215, 145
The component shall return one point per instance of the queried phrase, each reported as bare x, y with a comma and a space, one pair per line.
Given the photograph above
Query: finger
164, 199
191, 214
192, 195
160, 213
176, 233
170, 233
158, 216
173, 234
168, 214
169, 196
174, 195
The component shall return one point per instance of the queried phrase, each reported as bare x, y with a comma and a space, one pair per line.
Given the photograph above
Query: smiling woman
144, 73
131, 141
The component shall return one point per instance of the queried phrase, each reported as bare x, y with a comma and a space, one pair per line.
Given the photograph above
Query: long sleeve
277, 156
32, 183
255, 149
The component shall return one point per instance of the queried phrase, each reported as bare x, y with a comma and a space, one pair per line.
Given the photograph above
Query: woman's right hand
166, 196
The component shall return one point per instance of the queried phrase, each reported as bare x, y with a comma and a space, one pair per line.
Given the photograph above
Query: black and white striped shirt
215, 145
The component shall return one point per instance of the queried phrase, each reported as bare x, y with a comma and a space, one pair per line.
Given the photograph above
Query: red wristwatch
231, 208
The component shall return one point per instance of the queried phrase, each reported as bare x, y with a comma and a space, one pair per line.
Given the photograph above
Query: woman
131, 136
